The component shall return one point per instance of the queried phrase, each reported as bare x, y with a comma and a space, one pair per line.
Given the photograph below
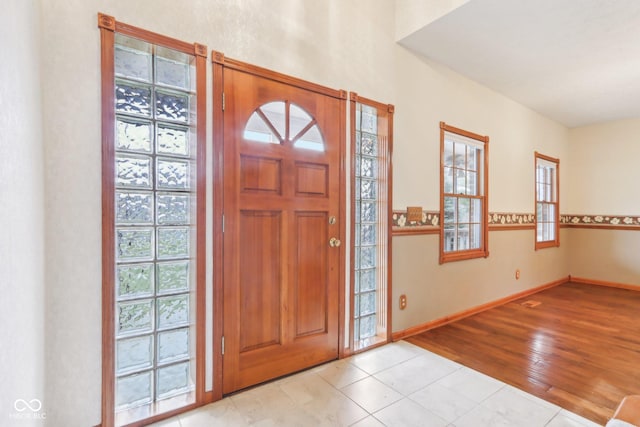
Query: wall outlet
517, 274
403, 302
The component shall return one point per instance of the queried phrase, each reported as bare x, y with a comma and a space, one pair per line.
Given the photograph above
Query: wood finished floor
579, 348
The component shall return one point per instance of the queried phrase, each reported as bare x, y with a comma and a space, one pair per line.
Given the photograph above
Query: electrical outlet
517, 274
403, 302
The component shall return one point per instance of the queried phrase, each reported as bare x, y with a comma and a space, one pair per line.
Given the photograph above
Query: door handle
334, 243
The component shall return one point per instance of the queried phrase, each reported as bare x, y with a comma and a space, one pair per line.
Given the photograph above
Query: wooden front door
282, 207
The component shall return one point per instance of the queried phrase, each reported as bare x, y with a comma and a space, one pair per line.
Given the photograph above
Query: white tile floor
398, 384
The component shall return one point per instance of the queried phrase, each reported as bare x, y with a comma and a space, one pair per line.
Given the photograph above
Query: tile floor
398, 384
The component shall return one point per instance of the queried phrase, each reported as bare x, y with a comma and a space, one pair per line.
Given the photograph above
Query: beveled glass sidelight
154, 169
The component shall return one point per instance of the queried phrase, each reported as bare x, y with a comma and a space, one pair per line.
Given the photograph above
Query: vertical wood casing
353, 98
200, 52
217, 59
342, 223
107, 36
389, 164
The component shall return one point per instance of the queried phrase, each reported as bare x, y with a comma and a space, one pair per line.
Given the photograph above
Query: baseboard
414, 330
605, 283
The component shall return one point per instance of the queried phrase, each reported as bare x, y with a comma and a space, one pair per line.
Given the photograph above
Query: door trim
220, 62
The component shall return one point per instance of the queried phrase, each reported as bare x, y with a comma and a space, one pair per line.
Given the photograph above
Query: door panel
259, 279
281, 186
311, 285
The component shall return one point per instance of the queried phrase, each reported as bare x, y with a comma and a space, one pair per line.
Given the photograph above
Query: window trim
108, 27
556, 241
385, 125
483, 250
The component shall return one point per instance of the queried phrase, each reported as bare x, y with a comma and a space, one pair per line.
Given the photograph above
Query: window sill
462, 255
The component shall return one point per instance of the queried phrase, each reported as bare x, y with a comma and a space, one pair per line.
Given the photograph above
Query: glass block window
370, 206
155, 235
463, 195
547, 212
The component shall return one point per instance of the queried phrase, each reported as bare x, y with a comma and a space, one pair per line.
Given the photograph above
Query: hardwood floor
579, 348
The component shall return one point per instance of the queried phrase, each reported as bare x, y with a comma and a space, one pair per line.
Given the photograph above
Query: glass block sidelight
133, 58
134, 207
173, 68
134, 280
173, 242
132, 98
134, 390
173, 208
155, 217
367, 216
134, 244
172, 140
173, 345
173, 379
368, 211
173, 311
172, 106
135, 317
172, 174
173, 277
133, 171
133, 135
134, 354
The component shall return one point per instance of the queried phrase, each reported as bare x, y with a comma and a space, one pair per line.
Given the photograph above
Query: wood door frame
220, 62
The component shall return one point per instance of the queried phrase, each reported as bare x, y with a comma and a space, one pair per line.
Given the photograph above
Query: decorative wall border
430, 222
511, 221
610, 222
498, 221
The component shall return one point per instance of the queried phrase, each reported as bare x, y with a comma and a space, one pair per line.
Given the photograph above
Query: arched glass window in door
278, 122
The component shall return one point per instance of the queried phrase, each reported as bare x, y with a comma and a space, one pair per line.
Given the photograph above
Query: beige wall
22, 307
434, 291
427, 94
604, 181
605, 255
605, 169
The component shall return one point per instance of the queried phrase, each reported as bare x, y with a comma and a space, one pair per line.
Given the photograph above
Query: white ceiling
574, 61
